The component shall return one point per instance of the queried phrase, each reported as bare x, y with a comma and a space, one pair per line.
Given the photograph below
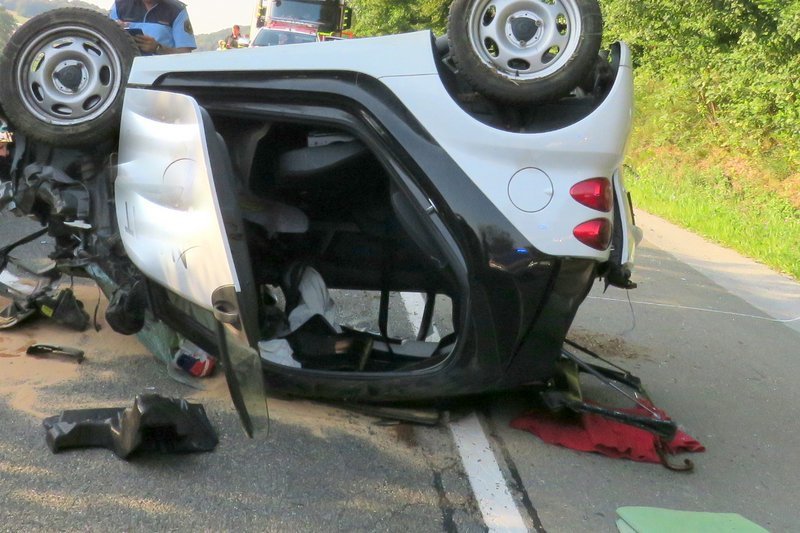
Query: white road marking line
497, 506
702, 309
774, 294
499, 510
415, 307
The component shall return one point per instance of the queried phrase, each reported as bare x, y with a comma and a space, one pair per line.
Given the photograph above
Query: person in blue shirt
165, 25
6, 138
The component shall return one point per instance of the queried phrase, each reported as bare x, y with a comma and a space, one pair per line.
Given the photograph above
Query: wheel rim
525, 39
68, 76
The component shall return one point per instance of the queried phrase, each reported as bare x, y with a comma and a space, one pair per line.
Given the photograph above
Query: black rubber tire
476, 68
96, 50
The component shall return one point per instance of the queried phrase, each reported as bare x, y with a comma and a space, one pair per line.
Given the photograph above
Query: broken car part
153, 423
58, 305
395, 413
46, 350
567, 394
125, 312
64, 308
13, 314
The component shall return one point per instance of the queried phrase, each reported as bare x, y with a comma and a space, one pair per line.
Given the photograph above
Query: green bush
7, 26
747, 218
737, 61
384, 17
716, 143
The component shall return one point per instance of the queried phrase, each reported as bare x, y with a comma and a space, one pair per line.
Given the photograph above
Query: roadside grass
743, 193
745, 216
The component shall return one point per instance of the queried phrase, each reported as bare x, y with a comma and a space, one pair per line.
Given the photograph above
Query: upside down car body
365, 159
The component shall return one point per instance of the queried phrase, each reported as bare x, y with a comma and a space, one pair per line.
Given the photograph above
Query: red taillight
594, 233
595, 193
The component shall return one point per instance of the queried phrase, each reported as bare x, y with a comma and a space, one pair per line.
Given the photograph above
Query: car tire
524, 51
64, 75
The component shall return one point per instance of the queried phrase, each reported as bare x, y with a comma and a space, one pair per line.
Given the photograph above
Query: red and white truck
296, 21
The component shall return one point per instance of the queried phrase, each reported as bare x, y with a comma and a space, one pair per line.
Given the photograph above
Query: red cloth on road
589, 432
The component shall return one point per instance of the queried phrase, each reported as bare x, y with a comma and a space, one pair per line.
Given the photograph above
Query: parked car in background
276, 36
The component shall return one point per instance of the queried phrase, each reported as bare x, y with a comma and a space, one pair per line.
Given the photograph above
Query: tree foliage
736, 61
7, 26
384, 17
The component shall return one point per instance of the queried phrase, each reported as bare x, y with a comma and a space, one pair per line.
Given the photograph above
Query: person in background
6, 138
233, 39
165, 25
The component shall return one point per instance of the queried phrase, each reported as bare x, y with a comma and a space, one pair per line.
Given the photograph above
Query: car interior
318, 198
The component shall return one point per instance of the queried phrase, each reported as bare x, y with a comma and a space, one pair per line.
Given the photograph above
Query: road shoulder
775, 294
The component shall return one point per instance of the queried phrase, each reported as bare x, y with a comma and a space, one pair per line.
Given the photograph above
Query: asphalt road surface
714, 338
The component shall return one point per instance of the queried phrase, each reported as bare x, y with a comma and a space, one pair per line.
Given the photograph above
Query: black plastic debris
64, 308
153, 424
58, 305
48, 350
67, 198
126, 309
31, 285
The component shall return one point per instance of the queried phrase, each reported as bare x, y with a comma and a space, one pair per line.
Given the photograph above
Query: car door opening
321, 211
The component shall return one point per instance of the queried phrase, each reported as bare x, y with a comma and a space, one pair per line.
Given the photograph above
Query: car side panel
167, 208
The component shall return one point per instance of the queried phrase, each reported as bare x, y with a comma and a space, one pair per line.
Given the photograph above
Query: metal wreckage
213, 195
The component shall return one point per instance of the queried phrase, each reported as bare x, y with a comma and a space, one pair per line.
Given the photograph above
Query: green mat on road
655, 520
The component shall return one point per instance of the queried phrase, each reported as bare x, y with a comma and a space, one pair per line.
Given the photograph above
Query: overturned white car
374, 163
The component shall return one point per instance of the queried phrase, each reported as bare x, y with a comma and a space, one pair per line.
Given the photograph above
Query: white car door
180, 225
